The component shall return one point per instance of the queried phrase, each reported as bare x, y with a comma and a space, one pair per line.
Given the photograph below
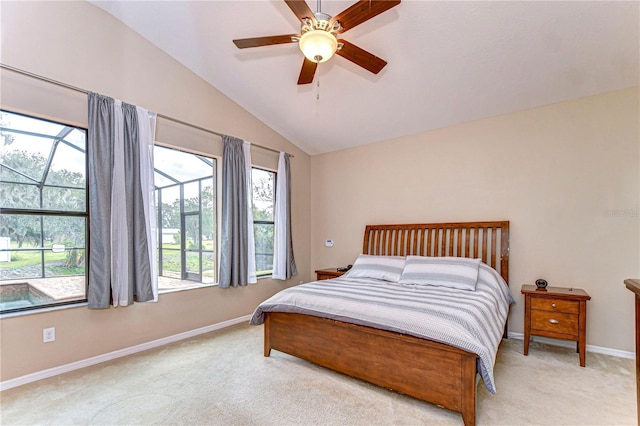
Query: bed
425, 368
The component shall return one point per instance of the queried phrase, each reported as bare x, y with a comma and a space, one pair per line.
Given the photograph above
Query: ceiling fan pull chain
318, 90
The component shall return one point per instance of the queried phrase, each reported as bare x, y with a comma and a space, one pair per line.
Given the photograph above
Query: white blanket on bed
469, 320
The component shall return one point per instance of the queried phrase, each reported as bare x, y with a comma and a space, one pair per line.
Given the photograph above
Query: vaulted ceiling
449, 62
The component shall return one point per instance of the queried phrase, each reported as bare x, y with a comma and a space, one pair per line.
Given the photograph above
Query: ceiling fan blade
300, 9
244, 43
307, 72
362, 11
361, 57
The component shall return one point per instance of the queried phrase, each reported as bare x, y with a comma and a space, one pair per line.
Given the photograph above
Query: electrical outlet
48, 334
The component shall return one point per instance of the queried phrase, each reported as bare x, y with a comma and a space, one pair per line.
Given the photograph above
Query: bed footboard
429, 371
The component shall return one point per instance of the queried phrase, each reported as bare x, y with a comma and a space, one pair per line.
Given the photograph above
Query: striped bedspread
469, 320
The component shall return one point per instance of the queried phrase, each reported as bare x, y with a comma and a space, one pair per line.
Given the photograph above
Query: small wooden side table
556, 312
327, 274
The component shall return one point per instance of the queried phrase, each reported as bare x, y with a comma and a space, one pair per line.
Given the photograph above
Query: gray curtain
119, 268
233, 239
100, 177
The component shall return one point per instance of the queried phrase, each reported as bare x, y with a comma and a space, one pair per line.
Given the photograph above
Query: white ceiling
449, 62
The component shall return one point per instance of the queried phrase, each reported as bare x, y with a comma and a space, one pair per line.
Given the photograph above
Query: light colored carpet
221, 378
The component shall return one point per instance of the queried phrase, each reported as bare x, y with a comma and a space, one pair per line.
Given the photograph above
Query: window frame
41, 212
211, 161
264, 222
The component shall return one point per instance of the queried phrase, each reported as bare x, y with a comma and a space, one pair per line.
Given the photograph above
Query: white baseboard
571, 344
50, 372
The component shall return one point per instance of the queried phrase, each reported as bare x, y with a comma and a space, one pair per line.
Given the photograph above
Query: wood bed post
468, 391
504, 251
267, 334
504, 264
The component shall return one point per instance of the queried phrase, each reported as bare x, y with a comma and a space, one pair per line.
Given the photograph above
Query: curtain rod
78, 89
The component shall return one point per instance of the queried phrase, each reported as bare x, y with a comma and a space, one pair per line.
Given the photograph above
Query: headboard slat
475, 241
384, 246
494, 234
426, 248
439, 239
451, 232
466, 243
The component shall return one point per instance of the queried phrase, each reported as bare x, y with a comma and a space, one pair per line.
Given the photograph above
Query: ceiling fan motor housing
318, 41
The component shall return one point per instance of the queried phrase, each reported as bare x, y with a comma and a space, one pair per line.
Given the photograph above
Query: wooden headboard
486, 240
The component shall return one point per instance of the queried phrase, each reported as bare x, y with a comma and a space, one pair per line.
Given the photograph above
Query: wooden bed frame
427, 370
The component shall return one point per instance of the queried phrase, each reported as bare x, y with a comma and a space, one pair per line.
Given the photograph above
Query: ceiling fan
318, 35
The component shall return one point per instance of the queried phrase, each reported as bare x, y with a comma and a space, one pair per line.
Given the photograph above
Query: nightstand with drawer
327, 274
556, 312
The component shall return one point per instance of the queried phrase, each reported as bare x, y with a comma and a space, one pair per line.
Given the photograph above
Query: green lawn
27, 263
21, 259
171, 262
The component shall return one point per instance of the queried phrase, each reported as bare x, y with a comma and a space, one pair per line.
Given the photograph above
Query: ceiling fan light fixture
318, 45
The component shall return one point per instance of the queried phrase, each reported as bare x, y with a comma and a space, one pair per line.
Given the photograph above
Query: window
43, 213
263, 183
186, 208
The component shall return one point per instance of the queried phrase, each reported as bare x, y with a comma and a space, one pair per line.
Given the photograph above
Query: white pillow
453, 272
387, 268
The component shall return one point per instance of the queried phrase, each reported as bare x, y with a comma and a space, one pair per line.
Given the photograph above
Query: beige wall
59, 40
566, 176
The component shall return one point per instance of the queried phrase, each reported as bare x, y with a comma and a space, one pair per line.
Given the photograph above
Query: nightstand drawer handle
553, 305
554, 321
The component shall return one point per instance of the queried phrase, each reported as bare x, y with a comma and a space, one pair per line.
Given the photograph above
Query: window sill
194, 287
42, 310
